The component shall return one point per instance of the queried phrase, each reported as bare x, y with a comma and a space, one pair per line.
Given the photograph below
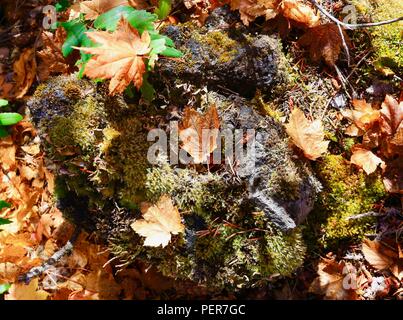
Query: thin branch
37, 271
345, 46
349, 25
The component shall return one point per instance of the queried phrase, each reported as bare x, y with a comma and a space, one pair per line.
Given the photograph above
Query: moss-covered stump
241, 225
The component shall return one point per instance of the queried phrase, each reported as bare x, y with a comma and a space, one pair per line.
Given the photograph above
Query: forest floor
364, 114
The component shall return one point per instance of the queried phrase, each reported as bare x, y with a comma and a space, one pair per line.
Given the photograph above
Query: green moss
78, 129
347, 192
222, 45
286, 252
388, 39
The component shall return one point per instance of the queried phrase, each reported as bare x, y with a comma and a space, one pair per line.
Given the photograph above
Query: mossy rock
224, 54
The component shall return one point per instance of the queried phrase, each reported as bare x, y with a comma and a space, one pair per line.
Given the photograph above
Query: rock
220, 55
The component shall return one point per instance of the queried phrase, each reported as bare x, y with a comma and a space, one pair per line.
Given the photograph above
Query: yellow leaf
365, 159
199, 133
26, 292
119, 58
160, 221
307, 135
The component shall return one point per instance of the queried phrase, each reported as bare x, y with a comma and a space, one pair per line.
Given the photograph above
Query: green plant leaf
164, 8
62, 5
75, 35
109, 20
4, 287
4, 204
3, 132
85, 57
147, 89
3, 102
139, 19
142, 20
171, 52
10, 118
5, 221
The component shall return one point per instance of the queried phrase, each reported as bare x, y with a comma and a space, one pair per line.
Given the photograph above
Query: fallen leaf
324, 42
365, 159
50, 57
336, 280
119, 58
94, 8
363, 117
300, 12
295, 10
26, 292
307, 135
199, 133
160, 221
383, 257
249, 10
392, 115
24, 71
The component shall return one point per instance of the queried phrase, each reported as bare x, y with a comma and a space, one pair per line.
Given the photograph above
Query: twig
350, 25
37, 271
345, 46
365, 215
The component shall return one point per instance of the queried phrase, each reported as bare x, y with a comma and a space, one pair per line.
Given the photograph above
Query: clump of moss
221, 45
78, 129
347, 192
388, 39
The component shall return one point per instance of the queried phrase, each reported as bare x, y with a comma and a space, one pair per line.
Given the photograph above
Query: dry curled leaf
24, 72
363, 117
160, 221
336, 280
94, 8
365, 159
295, 10
300, 12
307, 135
199, 133
51, 60
324, 42
119, 58
383, 257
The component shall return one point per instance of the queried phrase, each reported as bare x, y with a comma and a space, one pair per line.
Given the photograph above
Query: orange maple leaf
324, 41
160, 221
363, 117
307, 135
119, 58
199, 133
